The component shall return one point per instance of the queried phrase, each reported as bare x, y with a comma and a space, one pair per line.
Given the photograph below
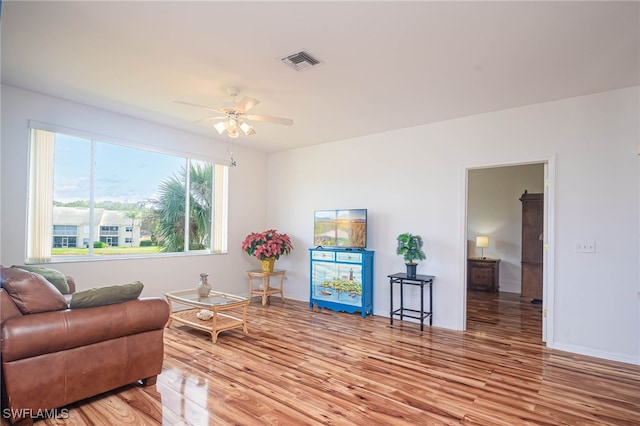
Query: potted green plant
410, 248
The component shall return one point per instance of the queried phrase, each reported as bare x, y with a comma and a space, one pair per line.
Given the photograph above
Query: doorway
493, 212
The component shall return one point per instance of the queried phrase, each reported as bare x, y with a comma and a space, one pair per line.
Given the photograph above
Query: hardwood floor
504, 314
302, 366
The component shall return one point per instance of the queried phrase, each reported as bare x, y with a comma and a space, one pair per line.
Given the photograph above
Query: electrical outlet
586, 247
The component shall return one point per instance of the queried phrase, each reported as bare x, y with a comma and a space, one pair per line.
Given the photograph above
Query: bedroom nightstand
483, 274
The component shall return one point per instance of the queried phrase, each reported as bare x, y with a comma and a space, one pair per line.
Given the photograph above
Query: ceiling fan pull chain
232, 161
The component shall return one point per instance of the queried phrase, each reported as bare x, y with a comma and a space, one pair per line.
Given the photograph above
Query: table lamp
482, 242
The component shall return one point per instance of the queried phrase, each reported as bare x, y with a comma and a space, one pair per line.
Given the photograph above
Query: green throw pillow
106, 295
57, 278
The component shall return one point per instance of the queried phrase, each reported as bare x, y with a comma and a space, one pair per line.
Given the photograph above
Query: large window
89, 197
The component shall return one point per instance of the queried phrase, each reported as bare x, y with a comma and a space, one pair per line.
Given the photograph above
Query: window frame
219, 211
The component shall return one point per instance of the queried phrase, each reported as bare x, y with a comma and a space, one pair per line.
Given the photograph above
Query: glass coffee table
228, 311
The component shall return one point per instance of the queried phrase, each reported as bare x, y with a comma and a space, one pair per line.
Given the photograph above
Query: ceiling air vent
300, 61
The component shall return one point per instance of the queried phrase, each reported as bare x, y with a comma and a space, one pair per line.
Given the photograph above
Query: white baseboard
596, 353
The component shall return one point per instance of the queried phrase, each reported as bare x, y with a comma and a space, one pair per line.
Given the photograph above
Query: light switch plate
586, 247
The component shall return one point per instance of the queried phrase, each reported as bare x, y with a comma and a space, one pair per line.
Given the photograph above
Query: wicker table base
228, 311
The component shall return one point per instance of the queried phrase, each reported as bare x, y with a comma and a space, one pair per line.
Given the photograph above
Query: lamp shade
482, 241
247, 129
220, 127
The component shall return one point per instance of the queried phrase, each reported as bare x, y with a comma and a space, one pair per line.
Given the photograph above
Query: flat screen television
340, 228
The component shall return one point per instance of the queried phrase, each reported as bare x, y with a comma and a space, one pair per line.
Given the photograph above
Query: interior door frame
548, 265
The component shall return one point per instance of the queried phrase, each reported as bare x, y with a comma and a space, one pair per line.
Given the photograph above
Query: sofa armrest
38, 334
8, 309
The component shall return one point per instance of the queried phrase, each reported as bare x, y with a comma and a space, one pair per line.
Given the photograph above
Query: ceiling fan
233, 115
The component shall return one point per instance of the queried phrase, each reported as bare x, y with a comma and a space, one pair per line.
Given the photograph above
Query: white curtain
221, 174
40, 225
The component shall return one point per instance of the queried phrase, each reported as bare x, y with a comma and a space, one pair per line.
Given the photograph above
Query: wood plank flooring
302, 366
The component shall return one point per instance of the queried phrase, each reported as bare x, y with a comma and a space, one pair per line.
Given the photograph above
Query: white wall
413, 180
247, 198
494, 209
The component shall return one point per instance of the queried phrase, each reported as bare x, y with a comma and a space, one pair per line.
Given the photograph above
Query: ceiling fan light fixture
247, 129
232, 116
230, 124
220, 127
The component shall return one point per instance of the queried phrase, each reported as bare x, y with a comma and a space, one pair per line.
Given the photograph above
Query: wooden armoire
532, 245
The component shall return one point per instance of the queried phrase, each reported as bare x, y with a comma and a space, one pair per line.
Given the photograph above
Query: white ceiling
385, 65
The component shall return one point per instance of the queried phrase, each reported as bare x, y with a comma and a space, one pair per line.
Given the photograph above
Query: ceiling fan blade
246, 104
200, 106
270, 119
209, 119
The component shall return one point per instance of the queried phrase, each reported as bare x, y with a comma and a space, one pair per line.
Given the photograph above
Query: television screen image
340, 228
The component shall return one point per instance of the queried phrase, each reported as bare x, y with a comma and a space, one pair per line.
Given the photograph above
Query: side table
483, 274
419, 280
265, 289
229, 311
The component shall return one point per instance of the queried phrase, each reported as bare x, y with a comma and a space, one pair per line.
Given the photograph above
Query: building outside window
65, 235
108, 231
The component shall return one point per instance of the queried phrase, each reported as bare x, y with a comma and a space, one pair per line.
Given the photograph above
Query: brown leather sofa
54, 358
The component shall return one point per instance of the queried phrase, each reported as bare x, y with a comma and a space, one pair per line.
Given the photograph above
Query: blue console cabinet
342, 280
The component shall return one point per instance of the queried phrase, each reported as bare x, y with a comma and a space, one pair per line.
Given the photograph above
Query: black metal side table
419, 280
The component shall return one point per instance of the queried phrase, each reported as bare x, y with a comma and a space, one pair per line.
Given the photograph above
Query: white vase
203, 287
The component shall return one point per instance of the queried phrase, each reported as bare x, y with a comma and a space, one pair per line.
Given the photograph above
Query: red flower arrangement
267, 244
